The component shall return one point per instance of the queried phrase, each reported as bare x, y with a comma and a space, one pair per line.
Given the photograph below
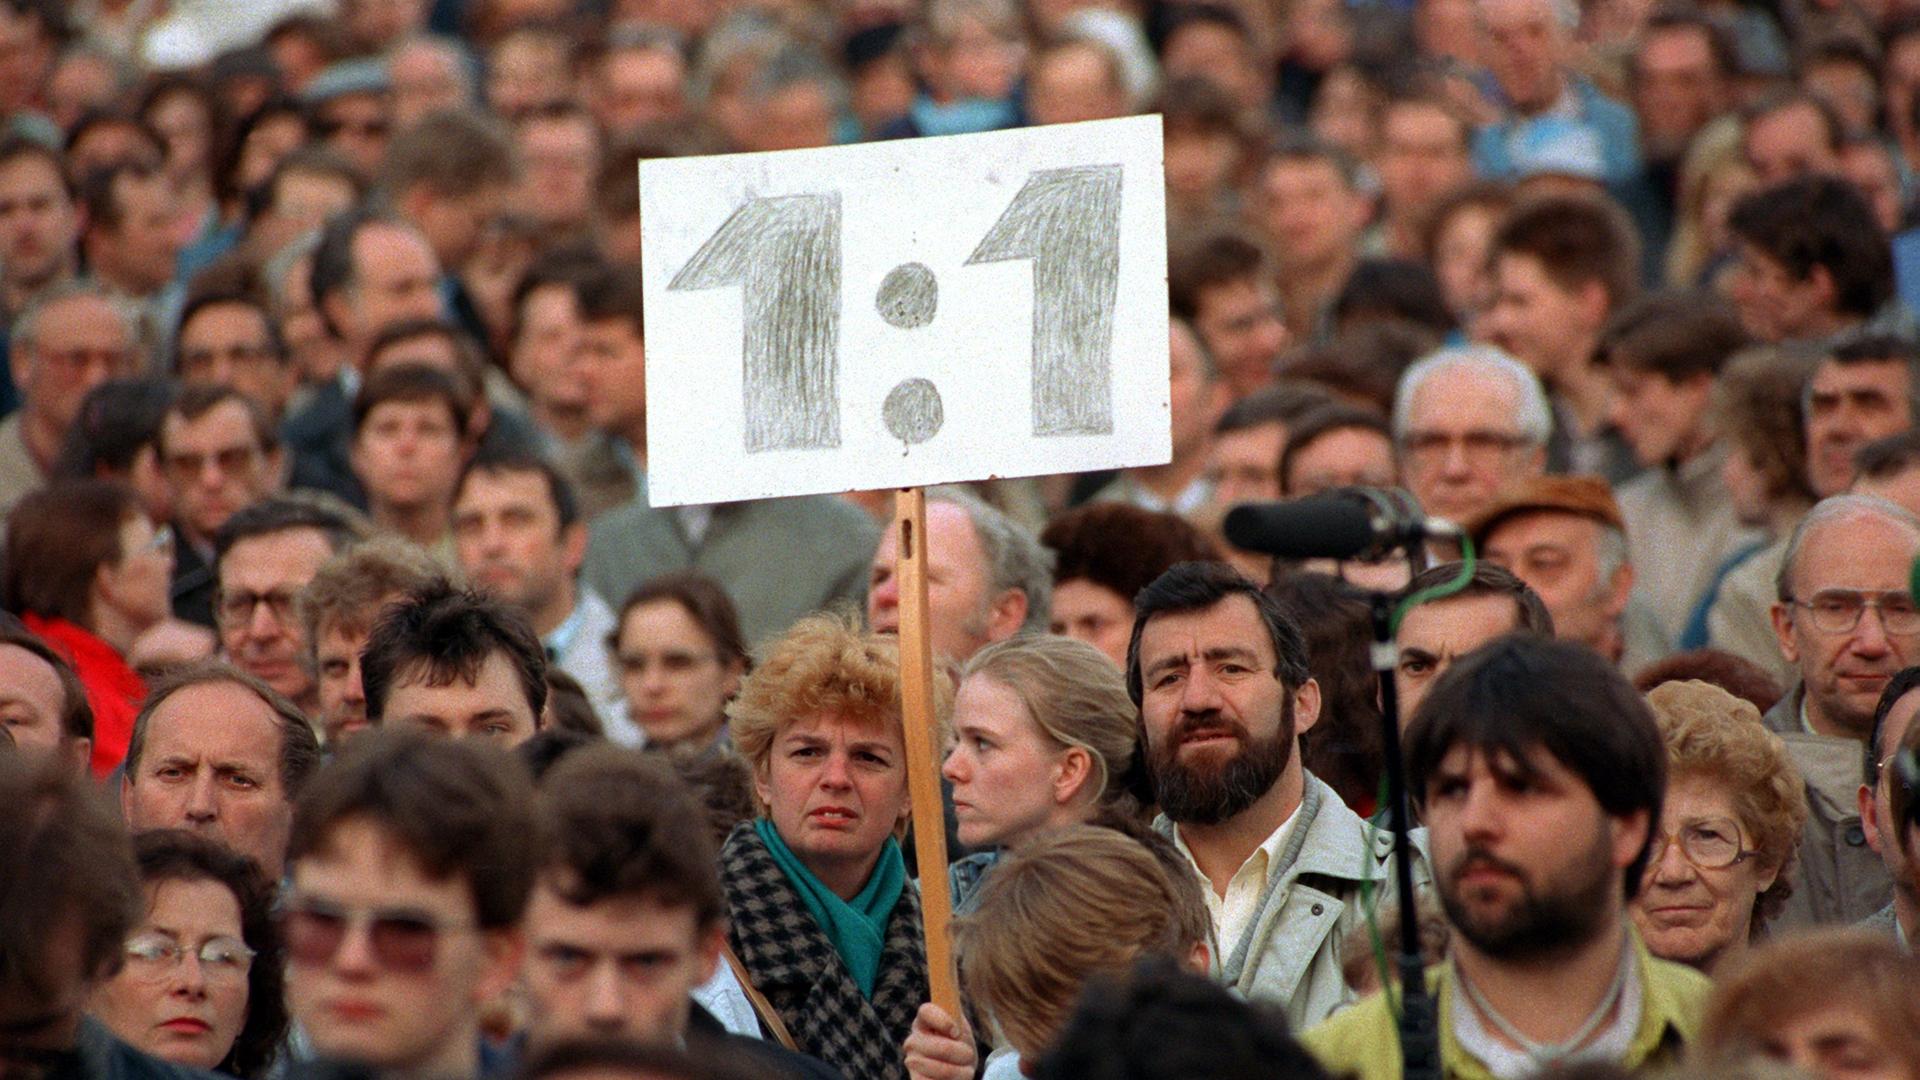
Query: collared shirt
1364, 1041
1611, 1042
1234, 912
563, 636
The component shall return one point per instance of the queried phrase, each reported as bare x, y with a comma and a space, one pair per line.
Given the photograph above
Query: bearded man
1540, 774
1220, 675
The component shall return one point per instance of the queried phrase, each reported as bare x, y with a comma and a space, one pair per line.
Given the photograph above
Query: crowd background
324, 411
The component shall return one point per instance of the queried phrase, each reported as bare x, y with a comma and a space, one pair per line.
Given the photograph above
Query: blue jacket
1613, 122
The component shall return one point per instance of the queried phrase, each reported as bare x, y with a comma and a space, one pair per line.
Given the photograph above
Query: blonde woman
824, 925
1723, 850
1077, 903
1043, 738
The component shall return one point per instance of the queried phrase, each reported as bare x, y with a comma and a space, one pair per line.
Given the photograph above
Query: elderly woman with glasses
1723, 852
200, 982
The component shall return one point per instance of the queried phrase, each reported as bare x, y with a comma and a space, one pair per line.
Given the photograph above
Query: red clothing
114, 690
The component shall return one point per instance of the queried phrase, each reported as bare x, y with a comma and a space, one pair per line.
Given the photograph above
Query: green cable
1369, 906
1369, 899
1445, 588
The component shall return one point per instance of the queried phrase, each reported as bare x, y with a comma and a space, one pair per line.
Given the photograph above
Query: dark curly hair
1344, 747
178, 855
1122, 547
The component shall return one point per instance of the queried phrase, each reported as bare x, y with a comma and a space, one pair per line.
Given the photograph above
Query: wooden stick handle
923, 764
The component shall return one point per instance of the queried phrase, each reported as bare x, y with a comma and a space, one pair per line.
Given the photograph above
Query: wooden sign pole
923, 765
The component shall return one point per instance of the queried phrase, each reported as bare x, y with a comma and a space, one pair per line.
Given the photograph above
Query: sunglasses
403, 940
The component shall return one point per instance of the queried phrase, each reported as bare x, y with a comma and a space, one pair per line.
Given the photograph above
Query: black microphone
1346, 523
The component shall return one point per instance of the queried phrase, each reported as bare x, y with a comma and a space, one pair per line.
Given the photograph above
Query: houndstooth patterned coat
791, 961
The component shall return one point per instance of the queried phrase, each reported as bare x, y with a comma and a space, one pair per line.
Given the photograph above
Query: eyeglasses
153, 955
73, 360
403, 939
161, 541
235, 608
1712, 844
1429, 447
229, 460
1838, 611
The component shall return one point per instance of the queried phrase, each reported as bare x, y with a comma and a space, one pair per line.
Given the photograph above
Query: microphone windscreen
1331, 526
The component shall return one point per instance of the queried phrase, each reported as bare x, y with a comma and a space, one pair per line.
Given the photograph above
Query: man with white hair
1524, 42
988, 577
1469, 423
1847, 623
428, 73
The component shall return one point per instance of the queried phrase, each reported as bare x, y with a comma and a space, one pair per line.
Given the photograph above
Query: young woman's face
1005, 771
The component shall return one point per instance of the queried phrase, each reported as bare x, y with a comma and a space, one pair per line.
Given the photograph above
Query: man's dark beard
1210, 793
1540, 924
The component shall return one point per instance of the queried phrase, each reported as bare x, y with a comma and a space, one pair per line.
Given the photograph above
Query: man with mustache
1846, 622
1220, 675
1540, 774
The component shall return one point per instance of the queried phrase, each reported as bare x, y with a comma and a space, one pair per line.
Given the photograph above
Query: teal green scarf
857, 928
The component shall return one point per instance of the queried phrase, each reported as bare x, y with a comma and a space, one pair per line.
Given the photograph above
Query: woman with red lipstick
1723, 850
821, 917
1043, 737
201, 981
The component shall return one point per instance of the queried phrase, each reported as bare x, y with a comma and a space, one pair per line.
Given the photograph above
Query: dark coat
764, 1056
790, 959
97, 1055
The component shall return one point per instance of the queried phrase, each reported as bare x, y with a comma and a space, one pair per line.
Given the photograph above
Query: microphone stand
1419, 1012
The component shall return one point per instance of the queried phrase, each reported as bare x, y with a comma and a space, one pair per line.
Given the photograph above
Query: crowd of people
359, 711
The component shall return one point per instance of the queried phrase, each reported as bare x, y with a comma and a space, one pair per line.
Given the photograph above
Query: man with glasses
228, 339
263, 556
219, 455
410, 869
67, 341
1469, 423
216, 752
1845, 620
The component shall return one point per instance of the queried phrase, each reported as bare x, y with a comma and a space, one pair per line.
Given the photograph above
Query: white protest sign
905, 313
